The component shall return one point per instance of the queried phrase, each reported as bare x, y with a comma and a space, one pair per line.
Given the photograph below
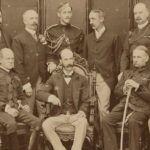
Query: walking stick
124, 117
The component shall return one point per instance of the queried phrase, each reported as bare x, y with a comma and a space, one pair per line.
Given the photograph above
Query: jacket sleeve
45, 90
144, 91
125, 57
84, 98
19, 60
118, 48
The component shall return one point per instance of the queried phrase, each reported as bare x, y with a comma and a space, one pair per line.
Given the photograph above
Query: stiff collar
32, 32
68, 74
141, 26
98, 34
3, 68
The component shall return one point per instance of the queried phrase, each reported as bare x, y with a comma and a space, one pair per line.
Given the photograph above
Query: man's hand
26, 108
28, 91
54, 100
130, 84
51, 67
11, 111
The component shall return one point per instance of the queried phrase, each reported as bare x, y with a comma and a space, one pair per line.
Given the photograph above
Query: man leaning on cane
137, 78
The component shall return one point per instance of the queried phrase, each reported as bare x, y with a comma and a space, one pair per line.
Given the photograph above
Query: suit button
37, 54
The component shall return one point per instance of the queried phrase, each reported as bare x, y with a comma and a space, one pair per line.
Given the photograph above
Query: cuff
27, 85
7, 107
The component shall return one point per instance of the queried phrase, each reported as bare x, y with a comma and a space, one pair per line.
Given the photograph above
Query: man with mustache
63, 35
5, 38
30, 57
139, 36
103, 51
69, 91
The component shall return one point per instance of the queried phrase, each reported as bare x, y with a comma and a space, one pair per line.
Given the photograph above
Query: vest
68, 104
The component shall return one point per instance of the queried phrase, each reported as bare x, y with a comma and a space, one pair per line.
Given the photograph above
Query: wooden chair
23, 135
66, 131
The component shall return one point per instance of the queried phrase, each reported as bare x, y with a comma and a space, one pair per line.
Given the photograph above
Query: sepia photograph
74, 74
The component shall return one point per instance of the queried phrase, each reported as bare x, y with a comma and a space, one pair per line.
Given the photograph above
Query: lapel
5, 38
76, 89
59, 87
30, 36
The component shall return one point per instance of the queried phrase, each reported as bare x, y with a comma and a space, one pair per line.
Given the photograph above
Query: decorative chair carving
66, 131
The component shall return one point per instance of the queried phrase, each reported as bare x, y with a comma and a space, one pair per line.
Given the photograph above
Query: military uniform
135, 38
139, 106
62, 36
10, 93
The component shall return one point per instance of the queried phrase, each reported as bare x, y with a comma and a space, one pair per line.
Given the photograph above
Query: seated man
12, 104
69, 91
138, 78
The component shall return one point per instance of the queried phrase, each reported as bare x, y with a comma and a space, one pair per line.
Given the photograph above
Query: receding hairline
141, 4
25, 14
3, 50
100, 12
65, 50
142, 48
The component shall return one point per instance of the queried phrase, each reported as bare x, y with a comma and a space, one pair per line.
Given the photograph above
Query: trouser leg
49, 126
103, 92
136, 122
80, 133
34, 123
109, 127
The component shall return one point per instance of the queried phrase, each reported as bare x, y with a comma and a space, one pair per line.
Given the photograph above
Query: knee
11, 127
83, 121
47, 124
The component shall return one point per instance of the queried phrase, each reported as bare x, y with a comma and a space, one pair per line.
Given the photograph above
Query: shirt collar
141, 26
70, 73
7, 70
99, 33
32, 32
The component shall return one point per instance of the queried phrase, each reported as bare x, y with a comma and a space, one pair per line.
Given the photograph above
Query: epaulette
49, 27
76, 27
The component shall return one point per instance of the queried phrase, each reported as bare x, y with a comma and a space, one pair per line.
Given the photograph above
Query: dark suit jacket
55, 85
10, 89
7, 38
30, 58
104, 53
140, 99
134, 38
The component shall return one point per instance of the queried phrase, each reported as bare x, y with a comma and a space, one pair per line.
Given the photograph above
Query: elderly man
63, 35
137, 78
69, 91
103, 51
13, 106
30, 57
139, 36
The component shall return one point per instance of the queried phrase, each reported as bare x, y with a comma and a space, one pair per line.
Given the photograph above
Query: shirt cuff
27, 85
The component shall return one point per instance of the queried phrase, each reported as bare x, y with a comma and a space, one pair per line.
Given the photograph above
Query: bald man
139, 36
30, 57
69, 91
13, 106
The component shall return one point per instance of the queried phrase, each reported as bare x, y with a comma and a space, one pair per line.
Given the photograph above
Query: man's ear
58, 14
60, 61
147, 58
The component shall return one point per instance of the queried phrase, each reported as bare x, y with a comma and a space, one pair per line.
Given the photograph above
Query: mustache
69, 65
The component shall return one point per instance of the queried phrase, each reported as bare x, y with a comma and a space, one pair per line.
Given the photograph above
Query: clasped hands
14, 112
130, 84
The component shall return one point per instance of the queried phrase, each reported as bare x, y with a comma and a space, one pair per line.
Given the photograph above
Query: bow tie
67, 76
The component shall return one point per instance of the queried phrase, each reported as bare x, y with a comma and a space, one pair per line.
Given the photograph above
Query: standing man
5, 38
13, 106
137, 78
63, 35
69, 91
139, 36
30, 57
103, 50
